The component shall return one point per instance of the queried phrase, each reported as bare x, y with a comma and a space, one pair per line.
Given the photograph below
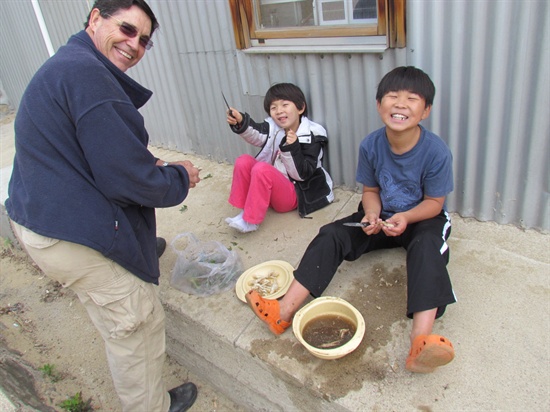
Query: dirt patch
43, 324
6, 115
380, 296
18, 379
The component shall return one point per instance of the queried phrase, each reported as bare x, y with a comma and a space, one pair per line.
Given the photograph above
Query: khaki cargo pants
125, 310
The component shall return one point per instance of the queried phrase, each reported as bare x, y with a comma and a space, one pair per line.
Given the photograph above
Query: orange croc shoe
268, 311
428, 352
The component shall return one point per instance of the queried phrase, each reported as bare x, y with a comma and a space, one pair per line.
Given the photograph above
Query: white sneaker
230, 220
243, 226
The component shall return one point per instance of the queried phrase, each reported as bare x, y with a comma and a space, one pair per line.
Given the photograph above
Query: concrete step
497, 272
499, 327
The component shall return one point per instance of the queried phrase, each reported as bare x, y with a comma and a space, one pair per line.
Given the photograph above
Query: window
286, 26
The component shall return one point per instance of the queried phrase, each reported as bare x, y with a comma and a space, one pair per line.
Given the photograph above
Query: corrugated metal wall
22, 46
64, 18
488, 59
22, 49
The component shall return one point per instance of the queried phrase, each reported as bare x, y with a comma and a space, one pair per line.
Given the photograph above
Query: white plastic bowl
284, 269
329, 306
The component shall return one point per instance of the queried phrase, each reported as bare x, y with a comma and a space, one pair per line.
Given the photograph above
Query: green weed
76, 404
49, 371
183, 208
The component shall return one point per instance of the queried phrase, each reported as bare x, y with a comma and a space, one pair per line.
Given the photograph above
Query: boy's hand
374, 223
234, 117
395, 225
290, 136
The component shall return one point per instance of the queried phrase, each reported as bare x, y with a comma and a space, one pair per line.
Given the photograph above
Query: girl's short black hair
407, 78
286, 91
110, 7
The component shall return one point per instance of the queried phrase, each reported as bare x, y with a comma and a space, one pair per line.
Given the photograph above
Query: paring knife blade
365, 224
227, 104
357, 224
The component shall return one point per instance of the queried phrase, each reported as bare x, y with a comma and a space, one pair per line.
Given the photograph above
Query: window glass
272, 14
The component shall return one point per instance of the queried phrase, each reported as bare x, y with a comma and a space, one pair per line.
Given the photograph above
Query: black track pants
428, 282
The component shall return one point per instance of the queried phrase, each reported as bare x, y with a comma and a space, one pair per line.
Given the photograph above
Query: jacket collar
138, 94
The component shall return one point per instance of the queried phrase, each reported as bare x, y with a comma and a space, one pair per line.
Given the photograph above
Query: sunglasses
128, 30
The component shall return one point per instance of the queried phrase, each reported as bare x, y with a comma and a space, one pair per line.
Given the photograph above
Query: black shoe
161, 246
182, 397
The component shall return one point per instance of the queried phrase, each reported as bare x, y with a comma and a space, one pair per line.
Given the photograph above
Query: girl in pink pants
292, 148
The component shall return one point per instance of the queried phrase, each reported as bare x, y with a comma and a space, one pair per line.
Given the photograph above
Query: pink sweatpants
258, 185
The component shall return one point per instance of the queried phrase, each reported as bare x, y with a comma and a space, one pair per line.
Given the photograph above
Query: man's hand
192, 171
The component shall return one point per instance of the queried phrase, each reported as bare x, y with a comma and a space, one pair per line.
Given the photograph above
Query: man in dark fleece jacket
84, 189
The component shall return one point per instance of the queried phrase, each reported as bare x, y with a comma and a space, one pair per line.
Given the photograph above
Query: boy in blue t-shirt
406, 173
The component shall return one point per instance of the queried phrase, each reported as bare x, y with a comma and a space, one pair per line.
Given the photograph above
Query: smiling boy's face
402, 110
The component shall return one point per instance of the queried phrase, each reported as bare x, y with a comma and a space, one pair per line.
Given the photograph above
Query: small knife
228, 108
357, 224
365, 224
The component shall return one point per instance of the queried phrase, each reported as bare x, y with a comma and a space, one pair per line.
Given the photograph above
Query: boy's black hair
286, 91
407, 78
110, 7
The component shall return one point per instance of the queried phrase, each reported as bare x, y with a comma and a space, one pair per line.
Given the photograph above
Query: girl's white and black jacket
300, 162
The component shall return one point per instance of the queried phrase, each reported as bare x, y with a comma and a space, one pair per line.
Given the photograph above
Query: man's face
123, 51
